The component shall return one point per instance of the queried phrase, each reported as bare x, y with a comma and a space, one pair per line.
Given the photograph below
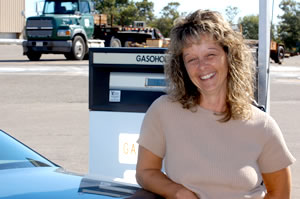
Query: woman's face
207, 66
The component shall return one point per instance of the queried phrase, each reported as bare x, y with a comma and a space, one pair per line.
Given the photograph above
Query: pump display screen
155, 82
137, 81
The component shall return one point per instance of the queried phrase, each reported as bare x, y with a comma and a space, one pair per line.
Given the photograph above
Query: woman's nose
202, 63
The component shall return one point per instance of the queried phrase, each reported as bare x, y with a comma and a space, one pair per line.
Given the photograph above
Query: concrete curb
11, 41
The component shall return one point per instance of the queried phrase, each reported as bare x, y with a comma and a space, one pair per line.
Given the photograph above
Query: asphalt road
45, 105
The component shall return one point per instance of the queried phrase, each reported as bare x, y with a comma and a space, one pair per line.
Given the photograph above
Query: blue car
26, 174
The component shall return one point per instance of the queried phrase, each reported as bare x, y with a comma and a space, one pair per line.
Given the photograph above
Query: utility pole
264, 54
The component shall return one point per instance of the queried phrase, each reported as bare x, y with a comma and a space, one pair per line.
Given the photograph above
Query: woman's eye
192, 60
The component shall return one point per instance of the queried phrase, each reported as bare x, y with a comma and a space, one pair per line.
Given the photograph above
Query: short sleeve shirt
214, 159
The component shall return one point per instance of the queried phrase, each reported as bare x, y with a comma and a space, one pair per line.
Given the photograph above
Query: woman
213, 142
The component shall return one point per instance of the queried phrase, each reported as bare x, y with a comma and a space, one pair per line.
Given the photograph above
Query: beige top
214, 159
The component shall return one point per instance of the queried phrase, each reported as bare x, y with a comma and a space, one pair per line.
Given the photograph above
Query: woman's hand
150, 177
184, 193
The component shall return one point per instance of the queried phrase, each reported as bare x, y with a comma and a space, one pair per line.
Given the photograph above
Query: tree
249, 26
168, 14
171, 10
125, 12
145, 10
231, 13
128, 15
111, 8
273, 33
289, 26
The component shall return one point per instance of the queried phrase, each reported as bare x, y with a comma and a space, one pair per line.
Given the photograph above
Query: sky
245, 7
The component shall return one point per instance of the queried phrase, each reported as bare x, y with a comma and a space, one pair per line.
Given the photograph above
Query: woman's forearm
270, 196
155, 181
278, 184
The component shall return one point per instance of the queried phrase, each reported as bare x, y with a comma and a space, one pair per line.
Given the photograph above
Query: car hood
42, 182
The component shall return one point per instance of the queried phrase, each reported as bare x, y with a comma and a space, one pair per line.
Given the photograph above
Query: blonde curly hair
241, 70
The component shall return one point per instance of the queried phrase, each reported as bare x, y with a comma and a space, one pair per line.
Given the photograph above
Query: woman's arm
278, 184
150, 177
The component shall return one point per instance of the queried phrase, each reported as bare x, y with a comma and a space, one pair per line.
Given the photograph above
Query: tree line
125, 12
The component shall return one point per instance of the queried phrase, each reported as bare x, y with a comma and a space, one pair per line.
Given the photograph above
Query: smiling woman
213, 141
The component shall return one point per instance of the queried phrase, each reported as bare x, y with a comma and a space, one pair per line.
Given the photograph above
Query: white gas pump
123, 83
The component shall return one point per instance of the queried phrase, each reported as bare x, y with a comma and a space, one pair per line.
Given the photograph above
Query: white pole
264, 53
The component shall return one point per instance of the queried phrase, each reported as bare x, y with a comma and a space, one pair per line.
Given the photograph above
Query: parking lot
45, 105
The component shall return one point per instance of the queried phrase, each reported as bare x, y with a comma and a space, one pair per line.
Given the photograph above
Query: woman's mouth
208, 76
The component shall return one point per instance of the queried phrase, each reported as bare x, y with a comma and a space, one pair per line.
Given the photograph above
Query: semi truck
70, 27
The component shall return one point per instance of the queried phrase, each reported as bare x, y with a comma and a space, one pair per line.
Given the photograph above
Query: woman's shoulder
258, 114
163, 100
261, 117
257, 111
164, 103
261, 125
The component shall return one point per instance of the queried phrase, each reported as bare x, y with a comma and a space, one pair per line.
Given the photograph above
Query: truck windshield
60, 7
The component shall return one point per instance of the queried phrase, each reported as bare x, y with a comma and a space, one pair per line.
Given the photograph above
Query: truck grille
40, 23
39, 33
39, 28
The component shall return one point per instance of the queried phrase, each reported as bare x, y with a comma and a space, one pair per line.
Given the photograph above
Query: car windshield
60, 7
14, 154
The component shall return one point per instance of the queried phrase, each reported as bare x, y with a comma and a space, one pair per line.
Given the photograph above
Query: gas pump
123, 83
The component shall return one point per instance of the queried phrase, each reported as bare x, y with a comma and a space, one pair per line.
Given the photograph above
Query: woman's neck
213, 103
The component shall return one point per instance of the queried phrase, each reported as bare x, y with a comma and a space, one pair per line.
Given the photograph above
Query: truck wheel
280, 55
33, 56
78, 49
115, 43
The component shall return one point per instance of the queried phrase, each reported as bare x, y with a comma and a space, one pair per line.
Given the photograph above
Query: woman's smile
208, 76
